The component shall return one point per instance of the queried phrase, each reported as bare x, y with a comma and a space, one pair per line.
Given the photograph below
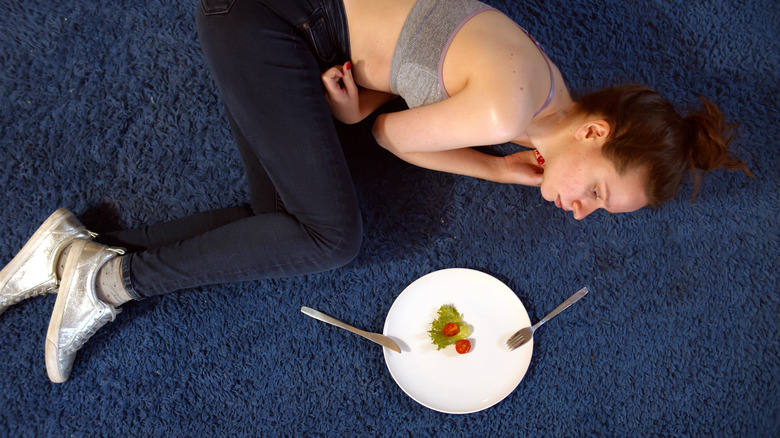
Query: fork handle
563, 306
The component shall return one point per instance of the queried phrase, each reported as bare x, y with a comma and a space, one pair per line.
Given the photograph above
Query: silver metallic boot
78, 313
34, 269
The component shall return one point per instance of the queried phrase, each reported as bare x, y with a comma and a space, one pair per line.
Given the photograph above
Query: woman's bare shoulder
493, 53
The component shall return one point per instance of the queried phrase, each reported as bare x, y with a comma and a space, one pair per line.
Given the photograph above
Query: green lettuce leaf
447, 314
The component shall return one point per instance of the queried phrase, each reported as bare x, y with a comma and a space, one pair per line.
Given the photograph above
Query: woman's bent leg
269, 81
168, 233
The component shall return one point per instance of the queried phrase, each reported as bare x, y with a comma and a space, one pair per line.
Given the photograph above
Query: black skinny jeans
266, 57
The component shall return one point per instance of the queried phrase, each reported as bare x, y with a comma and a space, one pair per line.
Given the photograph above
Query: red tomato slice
463, 346
450, 329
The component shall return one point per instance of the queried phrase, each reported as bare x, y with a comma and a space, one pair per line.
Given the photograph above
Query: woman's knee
350, 247
339, 245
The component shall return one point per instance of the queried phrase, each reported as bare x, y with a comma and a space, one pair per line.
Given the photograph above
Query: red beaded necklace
539, 158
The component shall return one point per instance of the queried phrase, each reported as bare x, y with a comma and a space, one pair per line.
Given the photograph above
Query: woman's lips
559, 203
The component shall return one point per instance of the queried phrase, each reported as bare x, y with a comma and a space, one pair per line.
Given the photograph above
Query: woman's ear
593, 130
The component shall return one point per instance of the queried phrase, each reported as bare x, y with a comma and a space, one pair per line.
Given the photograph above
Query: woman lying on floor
470, 77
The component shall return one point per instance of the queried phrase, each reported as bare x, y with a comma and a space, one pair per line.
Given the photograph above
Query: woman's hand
522, 168
342, 93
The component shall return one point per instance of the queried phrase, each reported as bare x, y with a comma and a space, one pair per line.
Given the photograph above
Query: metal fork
526, 334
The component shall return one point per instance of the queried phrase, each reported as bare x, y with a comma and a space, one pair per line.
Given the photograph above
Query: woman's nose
582, 210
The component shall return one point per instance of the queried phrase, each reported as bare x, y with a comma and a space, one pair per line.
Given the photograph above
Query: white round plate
444, 380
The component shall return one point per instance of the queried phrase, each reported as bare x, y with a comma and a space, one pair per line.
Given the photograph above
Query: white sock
109, 287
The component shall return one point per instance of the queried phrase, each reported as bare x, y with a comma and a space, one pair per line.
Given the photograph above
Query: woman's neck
546, 132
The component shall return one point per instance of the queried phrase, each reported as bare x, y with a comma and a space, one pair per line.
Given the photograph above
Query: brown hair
647, 131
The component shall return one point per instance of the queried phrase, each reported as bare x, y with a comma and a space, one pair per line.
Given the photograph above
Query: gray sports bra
416, 69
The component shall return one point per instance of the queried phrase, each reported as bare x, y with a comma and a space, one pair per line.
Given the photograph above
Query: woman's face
581, 180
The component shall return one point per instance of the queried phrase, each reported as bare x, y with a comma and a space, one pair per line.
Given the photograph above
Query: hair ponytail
648, 132
708, 135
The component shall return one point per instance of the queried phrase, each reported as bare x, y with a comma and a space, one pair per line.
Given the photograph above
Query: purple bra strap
552, 87
549, 68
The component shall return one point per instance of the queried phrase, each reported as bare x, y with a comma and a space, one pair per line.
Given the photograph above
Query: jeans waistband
322, 22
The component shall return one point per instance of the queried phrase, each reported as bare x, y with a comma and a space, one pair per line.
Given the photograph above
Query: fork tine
515, 340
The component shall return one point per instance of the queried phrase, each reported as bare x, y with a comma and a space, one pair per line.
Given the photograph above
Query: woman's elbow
378, 132
380, 135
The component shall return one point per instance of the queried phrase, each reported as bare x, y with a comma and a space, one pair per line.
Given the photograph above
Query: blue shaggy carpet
108, 109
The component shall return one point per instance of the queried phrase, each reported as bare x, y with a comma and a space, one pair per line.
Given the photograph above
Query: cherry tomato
463, 346
450, 329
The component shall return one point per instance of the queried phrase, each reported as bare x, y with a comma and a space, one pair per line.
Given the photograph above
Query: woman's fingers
348, 80
523, 169
342, 93
331, 78
338, 81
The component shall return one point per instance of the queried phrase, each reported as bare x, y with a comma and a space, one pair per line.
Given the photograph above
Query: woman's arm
470, 118
494, 105
517, 168
439, 136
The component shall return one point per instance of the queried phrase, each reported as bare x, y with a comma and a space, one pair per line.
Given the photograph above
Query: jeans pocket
216, 7
321, 36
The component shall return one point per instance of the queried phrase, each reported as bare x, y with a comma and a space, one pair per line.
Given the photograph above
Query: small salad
448, 328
